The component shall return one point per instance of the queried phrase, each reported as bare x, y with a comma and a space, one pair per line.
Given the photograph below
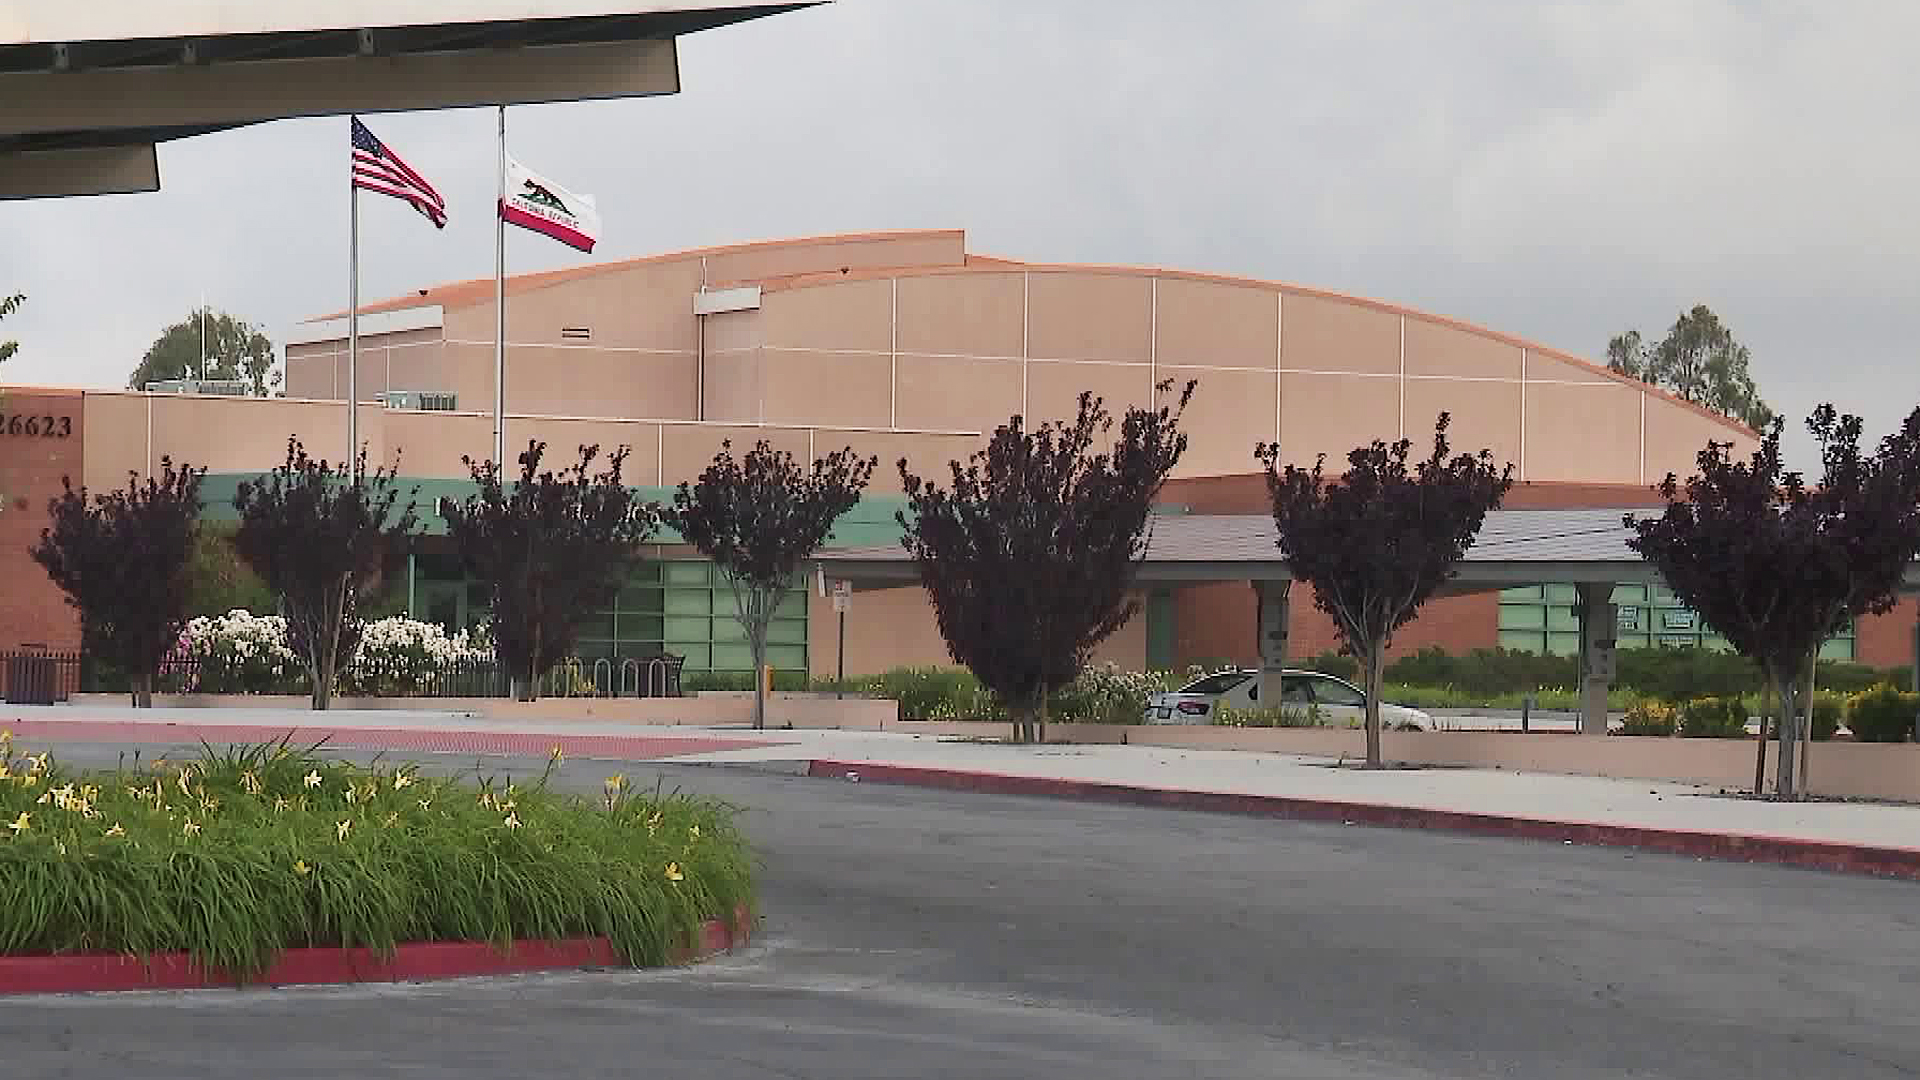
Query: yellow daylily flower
393, 819
351, 795
616, 782
115, 831
486, 799
44, 799
39, 761
344, 828
513, 821
401, 781
5, 772
300, 867
279, 803
558, 757
30, 780
22, 823
191, 828
250, 782
507, 805
693, 832
60, 847
426, 804
673, 873
313, 779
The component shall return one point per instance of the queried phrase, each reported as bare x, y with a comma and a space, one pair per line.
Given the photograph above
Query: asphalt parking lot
936, 934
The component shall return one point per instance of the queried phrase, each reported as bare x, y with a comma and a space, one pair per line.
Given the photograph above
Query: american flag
377, 168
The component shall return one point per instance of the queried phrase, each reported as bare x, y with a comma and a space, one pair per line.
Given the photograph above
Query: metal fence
41, 677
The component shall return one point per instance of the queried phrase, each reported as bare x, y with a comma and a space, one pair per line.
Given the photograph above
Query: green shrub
1337, 664
1714, 718
1287, 716
1882, 714
1648, 718
233, 857
1828, 709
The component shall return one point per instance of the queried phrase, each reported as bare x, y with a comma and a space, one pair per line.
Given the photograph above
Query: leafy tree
318, 535
121, 558
758, 519
1778, 567
1699, 361
546, 550
1030, 559
9, 305
234, 349
1376, 542
217, 581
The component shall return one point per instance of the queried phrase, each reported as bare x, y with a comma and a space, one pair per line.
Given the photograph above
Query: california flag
537, 203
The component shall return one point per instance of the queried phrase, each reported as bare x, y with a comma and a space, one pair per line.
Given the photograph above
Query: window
1329, 691
1216, 684
1296, 690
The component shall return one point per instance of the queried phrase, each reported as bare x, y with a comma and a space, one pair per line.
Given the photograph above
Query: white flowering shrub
399, 655
236, 653
244, 653
1104, 694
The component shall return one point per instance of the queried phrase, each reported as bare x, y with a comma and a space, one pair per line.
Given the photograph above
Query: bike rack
602, 689
629, 665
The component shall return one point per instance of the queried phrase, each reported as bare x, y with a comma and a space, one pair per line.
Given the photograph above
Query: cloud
1562, 171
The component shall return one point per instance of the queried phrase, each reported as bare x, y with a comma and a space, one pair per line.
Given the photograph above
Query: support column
1272, 631
1598, 620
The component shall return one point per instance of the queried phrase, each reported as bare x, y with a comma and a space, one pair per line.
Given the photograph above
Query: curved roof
480, 291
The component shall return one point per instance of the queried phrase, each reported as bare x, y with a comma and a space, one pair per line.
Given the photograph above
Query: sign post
842, 599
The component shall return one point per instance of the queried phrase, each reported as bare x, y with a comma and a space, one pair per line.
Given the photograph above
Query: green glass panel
1522, 592
1563, 619
699, 657
732, 658
686, 572
1523, 617
641, 628
1563, 644
1562, 594
678, 629
1837, 649
1629, 594
787, 631
728, 630
688, 602
1521, 640
787, 657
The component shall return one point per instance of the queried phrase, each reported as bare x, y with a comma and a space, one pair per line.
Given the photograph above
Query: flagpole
353, 326
500, 309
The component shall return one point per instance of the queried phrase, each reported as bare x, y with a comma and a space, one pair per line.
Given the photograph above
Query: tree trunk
1040, 728
143, 691
323, 680
1376, 676
1787, 682
1760, 755
1806, 723
758, 633
1021, 713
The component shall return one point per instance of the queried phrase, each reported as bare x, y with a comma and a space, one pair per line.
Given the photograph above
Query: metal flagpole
500, 309
353, 327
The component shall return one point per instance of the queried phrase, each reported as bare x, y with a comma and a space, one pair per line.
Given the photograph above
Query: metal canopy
1515, 547
87, 89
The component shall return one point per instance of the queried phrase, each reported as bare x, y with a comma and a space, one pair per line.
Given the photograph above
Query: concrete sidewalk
1536, 797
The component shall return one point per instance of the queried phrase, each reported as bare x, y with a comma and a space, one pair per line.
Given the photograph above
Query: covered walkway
1587, 548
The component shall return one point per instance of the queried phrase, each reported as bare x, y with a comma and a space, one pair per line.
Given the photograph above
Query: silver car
1341, 703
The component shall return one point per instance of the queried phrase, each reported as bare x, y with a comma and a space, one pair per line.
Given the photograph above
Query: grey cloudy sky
1557, 170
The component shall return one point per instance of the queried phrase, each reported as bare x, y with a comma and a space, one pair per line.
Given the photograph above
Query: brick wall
32, 611
1887, 640
1216, 622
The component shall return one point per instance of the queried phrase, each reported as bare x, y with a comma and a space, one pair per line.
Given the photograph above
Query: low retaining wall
1848, 769
859, 714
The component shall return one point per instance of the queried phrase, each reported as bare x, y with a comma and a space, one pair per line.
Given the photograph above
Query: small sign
842, 596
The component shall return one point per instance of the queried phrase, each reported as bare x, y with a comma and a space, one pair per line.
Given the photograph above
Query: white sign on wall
842, 596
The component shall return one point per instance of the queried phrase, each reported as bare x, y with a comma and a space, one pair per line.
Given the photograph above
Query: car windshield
1215, 684
1334, 692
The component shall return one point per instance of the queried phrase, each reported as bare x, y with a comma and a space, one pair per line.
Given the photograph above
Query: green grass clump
234, 856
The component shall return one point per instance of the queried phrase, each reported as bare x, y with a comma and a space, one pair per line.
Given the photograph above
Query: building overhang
88, 89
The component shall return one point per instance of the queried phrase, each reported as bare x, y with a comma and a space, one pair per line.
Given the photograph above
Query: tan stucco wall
901, 332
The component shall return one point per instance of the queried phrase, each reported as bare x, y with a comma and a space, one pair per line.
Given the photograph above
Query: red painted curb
442, 740
1812, 854
415, 962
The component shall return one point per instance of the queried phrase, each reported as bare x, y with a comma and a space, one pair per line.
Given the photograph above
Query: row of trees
1029, 554
542, 545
